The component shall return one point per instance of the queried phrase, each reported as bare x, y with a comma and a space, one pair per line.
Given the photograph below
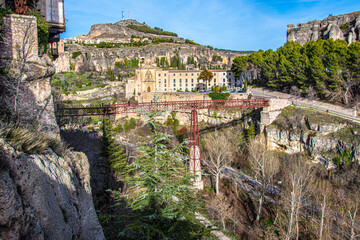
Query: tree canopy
329, 67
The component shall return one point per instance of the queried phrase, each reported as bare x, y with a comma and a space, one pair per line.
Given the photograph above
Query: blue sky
226, 24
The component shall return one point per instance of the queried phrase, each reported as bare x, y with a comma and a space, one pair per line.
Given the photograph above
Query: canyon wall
345, 27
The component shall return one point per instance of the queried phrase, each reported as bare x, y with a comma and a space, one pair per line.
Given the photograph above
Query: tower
123, 14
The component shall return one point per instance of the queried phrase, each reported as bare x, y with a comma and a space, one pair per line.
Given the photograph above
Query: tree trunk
217, 183
323, 206
260, 206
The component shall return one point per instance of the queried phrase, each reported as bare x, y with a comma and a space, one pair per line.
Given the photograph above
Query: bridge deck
162, 106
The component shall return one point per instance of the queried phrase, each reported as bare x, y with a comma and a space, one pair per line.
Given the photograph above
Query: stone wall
182, 96
20, 37
270, 113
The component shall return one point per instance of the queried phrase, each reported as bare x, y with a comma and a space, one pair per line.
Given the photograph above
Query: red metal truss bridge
161, 106
194, 151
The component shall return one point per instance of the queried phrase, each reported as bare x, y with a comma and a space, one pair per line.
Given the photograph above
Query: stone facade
152, 79
331, 27
19, 37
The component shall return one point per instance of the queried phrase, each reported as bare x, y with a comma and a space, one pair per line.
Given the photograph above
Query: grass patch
312, 115
350, 134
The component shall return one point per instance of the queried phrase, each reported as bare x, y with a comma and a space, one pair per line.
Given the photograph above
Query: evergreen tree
161, 193
250, 132
113, 152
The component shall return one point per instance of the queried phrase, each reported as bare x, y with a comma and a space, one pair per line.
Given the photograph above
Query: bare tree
295, 91
323, 196
24, 50
297, 189
265, 166
311, 93
218, 153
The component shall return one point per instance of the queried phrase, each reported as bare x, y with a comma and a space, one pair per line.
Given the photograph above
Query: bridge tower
195, 156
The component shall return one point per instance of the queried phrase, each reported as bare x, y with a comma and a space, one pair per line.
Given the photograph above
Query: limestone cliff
344, 27
119, 32
320, 136
45, 196
101, 59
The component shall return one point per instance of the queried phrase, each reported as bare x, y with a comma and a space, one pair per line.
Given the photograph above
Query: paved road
297, 102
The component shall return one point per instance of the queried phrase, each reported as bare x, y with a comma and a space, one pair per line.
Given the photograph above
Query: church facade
153, 79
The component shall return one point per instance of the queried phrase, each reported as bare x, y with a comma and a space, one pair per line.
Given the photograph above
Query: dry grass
23, 139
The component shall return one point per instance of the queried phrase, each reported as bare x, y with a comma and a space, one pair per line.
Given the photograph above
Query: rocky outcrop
45, 196
119, 32
312, 138
344, 27
101, 59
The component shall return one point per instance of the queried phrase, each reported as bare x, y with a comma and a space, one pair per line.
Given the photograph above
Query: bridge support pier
195, 156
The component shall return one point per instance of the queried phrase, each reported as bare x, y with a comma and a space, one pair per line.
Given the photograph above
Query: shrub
127, 126
75, 54
132, 123
219, 96
119, 128
337, 161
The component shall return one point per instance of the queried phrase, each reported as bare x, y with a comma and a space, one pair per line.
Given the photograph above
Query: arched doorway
148, 89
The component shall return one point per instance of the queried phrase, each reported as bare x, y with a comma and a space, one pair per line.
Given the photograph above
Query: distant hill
128, 30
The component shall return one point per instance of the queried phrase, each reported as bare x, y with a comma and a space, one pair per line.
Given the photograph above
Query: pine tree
113, 152
161, 194
250, 132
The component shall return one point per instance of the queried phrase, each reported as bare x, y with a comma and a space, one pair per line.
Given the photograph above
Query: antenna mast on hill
128, 15
123, 16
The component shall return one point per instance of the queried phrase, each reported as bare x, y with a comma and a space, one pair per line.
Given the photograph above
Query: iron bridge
161, 106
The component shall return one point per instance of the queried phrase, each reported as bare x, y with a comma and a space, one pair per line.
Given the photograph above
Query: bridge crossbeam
162, 106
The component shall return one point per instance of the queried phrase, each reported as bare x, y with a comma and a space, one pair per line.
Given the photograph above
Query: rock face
101, 59
315, 140
344, 27
46, 196
119, 32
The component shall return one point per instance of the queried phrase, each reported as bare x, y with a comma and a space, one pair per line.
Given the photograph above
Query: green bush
76, 54
119, 128
337, 161
127, 126
219, 96
132, 123
146, 29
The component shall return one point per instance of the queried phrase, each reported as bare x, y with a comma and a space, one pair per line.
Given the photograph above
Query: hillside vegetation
327, 69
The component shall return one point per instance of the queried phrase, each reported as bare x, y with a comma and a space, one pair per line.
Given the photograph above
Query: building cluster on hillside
153, 79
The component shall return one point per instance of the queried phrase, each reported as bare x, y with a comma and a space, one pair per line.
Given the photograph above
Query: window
192, 74
185, 80
179, 80
174, 85
180, 84
198, 80
214, 80
192, 80
179, 74
229, 73
159, 81
174, 80
165, 85
165, 74
223, 73
185, 74
174, 89
186, 85
214, 74
198, 74
224, 80
159, 74
192, 85
174, 74
165, 81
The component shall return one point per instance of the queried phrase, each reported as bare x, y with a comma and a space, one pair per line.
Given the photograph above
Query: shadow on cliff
102, 176
45, 197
